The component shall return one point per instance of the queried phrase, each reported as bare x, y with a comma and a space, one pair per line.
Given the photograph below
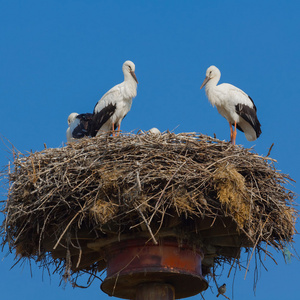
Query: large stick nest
65, 205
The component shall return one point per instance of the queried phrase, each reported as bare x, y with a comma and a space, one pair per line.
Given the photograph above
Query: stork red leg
113, 127
234, 133
119, 129
231, 132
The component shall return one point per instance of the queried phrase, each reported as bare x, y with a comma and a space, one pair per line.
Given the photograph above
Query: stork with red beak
116, 103
233, 104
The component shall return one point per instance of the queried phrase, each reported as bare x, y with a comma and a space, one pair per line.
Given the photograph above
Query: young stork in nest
116, 103
79, 126
233, 104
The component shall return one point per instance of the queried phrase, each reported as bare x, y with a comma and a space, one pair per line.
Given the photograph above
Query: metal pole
155, 291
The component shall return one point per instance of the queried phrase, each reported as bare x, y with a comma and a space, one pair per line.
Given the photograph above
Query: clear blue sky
61, 56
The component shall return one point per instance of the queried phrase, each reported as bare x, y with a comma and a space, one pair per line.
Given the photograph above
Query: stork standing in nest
116, 103
233, 104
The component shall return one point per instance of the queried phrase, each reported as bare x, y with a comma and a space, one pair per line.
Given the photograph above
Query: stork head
72, 117
128, 69
211, 73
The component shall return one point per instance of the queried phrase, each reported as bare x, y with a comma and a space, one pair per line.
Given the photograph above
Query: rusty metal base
155, 291
134, 263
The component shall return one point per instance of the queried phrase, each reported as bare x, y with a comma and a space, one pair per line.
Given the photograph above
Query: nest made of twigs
65, 205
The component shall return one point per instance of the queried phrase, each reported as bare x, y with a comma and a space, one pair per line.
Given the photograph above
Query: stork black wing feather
101, 117
249, 115
84, 127
252, 103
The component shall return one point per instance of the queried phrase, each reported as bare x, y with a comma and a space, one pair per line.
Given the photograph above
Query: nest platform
68, 206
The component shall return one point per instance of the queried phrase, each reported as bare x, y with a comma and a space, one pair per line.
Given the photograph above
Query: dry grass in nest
232, 193
66, 204
103, 211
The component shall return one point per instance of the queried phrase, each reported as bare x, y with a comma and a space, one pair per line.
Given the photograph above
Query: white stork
154, 131
233, 104
116, 103
79, 126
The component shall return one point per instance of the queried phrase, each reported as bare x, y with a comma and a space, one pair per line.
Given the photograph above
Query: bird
154, 131
114, 105
233, 104
79, 126
71, 119
221, 290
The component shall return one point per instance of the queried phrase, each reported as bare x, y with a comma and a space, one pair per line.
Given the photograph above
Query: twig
148, 226
61, 236
269, 152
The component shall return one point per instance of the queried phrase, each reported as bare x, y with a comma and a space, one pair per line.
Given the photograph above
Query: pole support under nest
155, 291
167, 269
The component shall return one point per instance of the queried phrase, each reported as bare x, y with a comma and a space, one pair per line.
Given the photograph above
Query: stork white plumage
79, 126
154, 130
71, 119
116, 103
233, 104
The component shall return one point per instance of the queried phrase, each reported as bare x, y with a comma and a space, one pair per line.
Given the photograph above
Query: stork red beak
204, 82
134, 77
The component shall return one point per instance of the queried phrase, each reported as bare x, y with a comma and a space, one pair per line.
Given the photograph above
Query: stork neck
212, 83
130, 86
128, 77
130, 80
